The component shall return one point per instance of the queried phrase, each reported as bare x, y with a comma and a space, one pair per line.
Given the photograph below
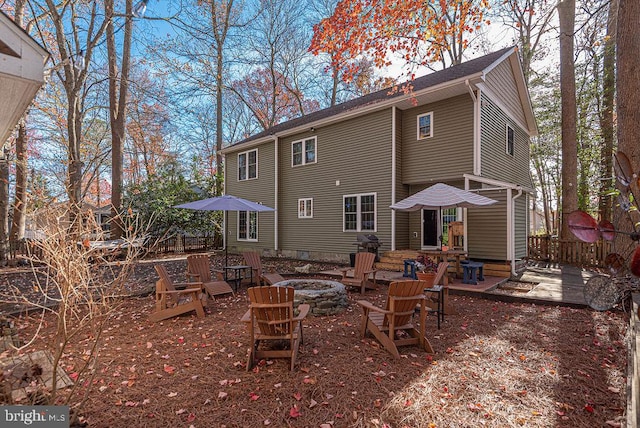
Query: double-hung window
305, 208
510, 141
303, 152
248, 165
247, 226
359, 212
425, 125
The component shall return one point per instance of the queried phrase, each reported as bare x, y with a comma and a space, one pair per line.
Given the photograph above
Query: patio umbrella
225, 203
440, 196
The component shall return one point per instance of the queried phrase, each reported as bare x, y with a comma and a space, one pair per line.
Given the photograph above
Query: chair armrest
246, 317
303, 309
184, 285
194, 275
344, 272
185, 291
366, 305
219, 274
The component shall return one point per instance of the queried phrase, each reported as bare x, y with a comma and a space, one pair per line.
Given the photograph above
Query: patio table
239, 273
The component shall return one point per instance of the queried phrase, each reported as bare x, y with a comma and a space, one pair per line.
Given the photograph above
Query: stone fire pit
325, 297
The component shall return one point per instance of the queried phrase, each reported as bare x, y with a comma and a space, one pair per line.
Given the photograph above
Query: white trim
246, 152
358, 197
418, 117
302, 143
492, 182
310, 213
506, 140
510, 226
276, 194
526, 228
497, 62
477, 133
393, 177
249, 213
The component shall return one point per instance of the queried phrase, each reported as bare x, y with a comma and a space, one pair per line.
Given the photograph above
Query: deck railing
554, 250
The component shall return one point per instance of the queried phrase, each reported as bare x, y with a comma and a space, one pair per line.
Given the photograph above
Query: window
305, 208
247, 226
248, 165
303, 152
510, 140
360, 212
425, 126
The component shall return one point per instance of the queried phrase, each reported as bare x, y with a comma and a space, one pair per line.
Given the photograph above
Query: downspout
477, 161
393, 177
276, 195
513, 233
224, 192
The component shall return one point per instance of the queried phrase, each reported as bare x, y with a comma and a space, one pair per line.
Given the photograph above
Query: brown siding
258, 190
487, 228
449, 152
502, 84
357, 153
495, 161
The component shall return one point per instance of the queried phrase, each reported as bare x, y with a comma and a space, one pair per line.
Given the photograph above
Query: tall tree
628, 95
20, 198
567, 15
118, 89
85, 33
607, 113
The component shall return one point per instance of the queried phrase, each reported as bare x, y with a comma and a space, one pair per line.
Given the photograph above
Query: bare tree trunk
20, 202
118, 87
567, 14
606, 118
220, 22
4, 206
628, 99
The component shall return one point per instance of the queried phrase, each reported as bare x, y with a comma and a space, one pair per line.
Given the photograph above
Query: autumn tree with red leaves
271, 98
422, 32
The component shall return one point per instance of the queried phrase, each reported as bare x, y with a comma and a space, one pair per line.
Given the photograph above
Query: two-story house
334, 173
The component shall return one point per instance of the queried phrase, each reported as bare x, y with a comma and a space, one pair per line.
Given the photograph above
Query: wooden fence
184, 244
554, 250
175, 244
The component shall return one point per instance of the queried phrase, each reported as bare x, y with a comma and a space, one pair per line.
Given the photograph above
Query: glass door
430, 230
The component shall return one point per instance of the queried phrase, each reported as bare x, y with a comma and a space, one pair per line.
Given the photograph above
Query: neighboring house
333, 174
55, 217
22, 62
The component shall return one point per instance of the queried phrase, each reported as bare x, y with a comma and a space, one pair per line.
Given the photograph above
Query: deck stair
394, 260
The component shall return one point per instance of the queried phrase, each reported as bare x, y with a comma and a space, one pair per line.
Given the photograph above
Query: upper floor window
247, 226
359, 212
303, 151
305, 208
425, 125
248, 165
510, 140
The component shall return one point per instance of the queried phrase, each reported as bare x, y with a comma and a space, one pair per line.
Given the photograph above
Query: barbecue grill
368, 243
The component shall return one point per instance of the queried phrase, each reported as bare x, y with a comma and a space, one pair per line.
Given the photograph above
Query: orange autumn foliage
422, 32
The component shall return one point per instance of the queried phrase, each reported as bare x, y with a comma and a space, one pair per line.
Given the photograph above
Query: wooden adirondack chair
362, 270
397, 315
251, 258
175, 299
271, 318
198, 269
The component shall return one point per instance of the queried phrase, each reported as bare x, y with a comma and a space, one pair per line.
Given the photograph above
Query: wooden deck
385, 277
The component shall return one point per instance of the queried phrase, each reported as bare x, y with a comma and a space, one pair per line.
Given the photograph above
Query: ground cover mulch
495, 364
